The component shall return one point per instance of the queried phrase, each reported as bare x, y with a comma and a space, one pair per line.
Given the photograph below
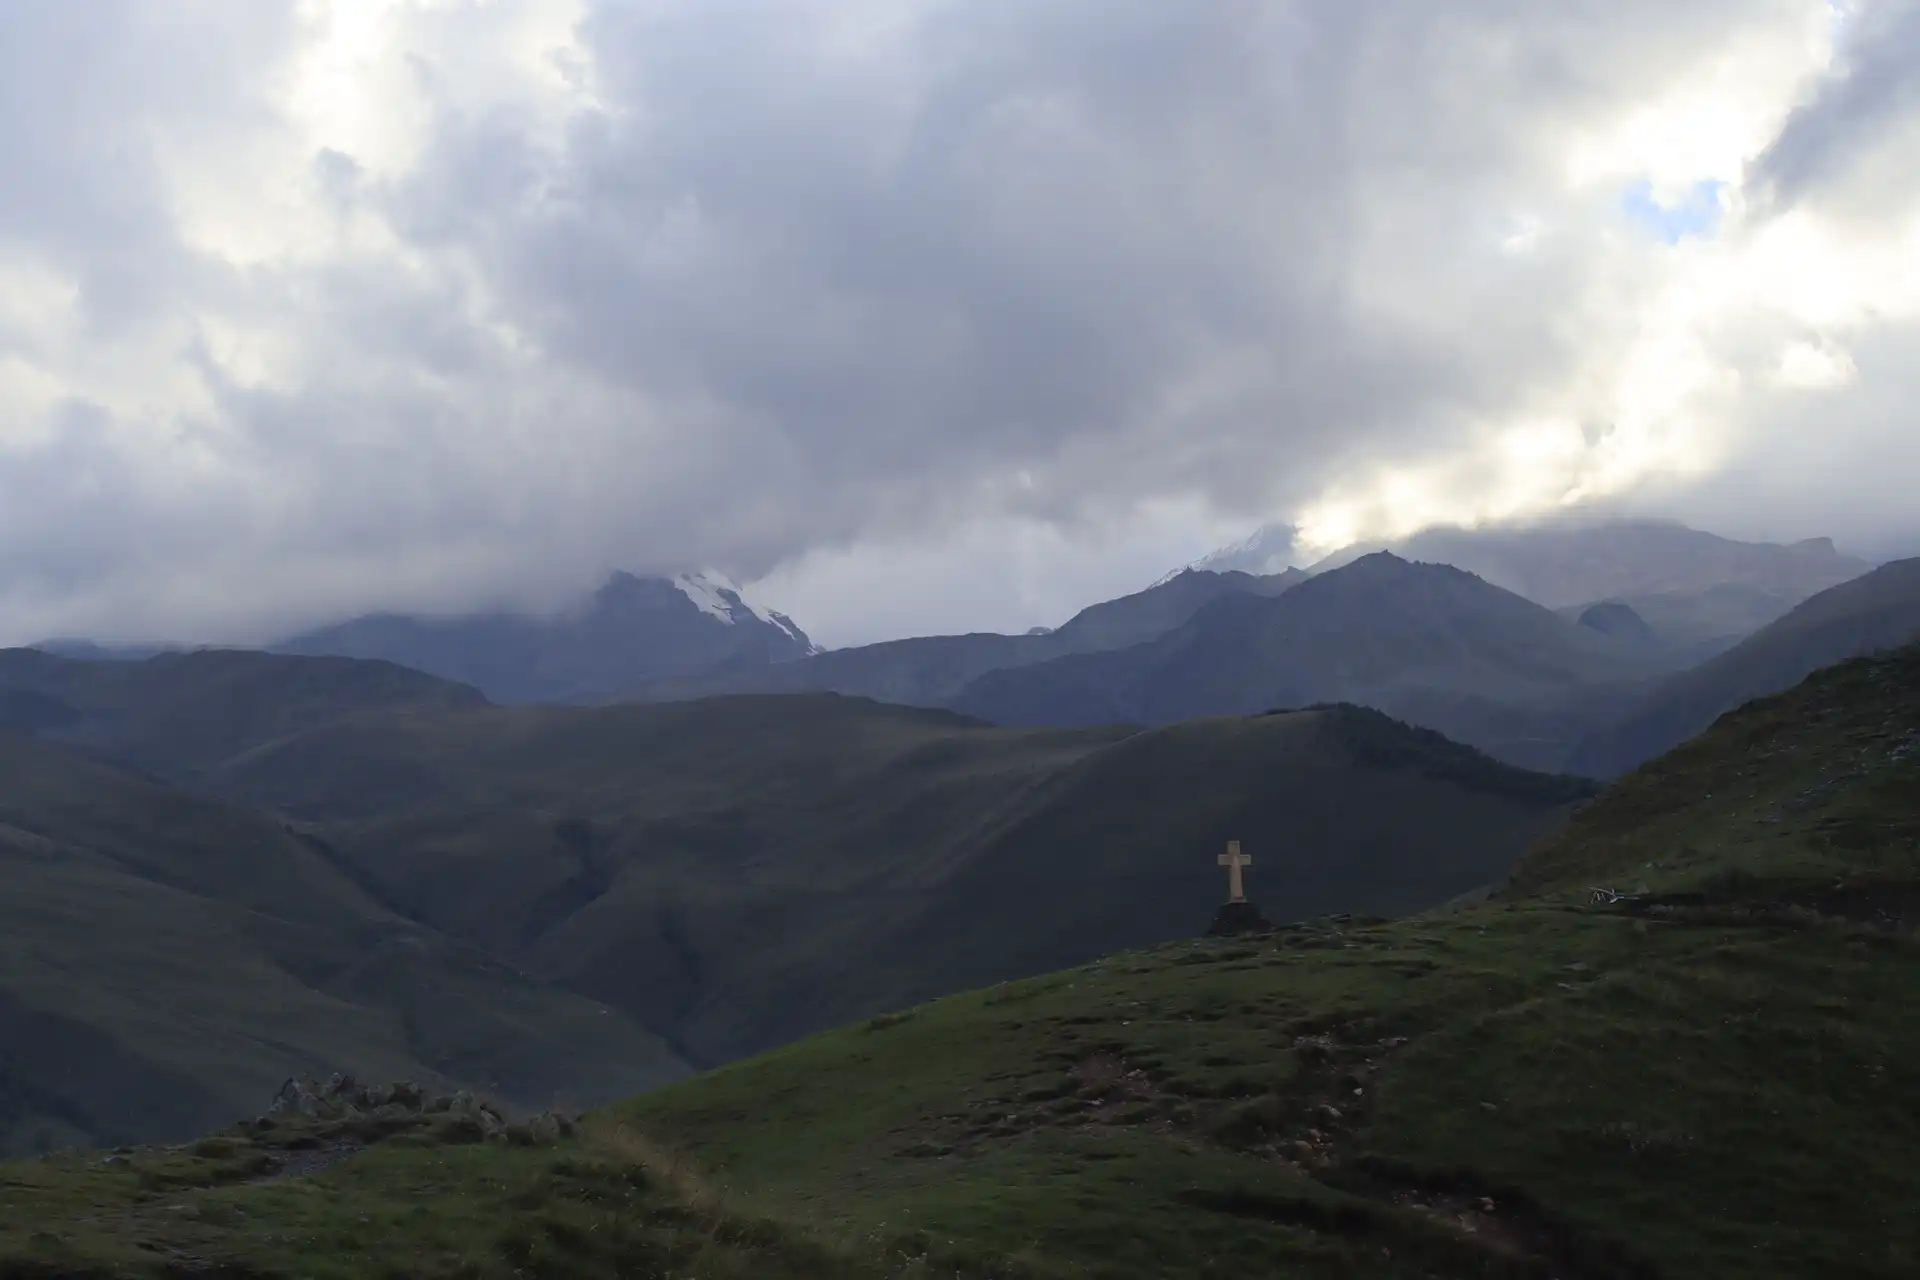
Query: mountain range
632, 630
1680, 1040
653, 882
1699, 593
1876, 612
1428, 643
1463, 640
317, 864
1574, 562
933, 671
1645, 600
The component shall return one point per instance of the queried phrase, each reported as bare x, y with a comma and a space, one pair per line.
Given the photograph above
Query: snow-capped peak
719, 596
1268, 549
711, 592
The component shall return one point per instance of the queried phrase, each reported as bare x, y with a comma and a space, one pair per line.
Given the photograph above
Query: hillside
929, 671
1880, 610
1714, 1079
176, 713
1426, 643
632, 630
166, 961
738, 872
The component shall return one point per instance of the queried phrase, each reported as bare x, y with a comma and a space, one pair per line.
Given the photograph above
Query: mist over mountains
631, 630
1529, 642
1525, 642
662, 832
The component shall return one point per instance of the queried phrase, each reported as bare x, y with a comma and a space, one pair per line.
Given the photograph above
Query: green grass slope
166, 961
1714, 1077
739, 872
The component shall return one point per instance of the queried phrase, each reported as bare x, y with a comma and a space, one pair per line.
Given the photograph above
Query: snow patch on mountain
720, 597
711, 593
1267, 550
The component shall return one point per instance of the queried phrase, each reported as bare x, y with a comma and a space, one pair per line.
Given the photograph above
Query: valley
643, 890
1701, 1071
718, 921
959, 641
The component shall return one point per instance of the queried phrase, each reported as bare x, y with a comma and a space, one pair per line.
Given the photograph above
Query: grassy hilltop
1711, 1076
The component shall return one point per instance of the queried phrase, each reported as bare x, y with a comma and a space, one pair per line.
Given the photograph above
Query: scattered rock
391, 1106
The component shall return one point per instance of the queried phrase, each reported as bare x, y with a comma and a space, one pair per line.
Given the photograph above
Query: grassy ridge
177, 714
739, 872
1713, 1079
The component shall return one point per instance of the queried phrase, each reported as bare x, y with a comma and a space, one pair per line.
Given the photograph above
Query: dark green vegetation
1426, 643
584, 901
738, 872
931, 671
1876, 612
1707, 1070
166, 961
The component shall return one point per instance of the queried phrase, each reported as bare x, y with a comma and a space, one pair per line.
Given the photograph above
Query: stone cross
1233, 860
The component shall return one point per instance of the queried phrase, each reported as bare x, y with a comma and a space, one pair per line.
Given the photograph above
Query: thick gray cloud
940, 312
1864, 109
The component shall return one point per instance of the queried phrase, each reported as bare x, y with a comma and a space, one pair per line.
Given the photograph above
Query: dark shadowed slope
740, 871
1878, 611
165, 961
632, 630
1715, 1079
1428, 643
931, 670
176, 713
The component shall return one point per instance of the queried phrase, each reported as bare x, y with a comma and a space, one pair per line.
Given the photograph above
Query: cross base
1236, 918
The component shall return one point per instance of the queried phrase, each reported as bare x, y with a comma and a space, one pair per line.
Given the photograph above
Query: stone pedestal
1236, 918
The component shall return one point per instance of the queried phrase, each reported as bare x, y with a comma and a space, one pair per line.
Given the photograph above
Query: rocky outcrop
390, 1108
1236, 918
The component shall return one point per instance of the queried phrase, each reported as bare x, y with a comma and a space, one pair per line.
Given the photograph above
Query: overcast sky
928, 314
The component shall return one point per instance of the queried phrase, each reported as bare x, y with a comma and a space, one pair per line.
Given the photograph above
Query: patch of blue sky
1696, 214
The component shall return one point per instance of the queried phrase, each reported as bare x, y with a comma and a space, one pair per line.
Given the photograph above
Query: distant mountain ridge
267, 864
631, 631
930, 671
1875, 612
1430, 644
178, 712
1269, 549
1562, 564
